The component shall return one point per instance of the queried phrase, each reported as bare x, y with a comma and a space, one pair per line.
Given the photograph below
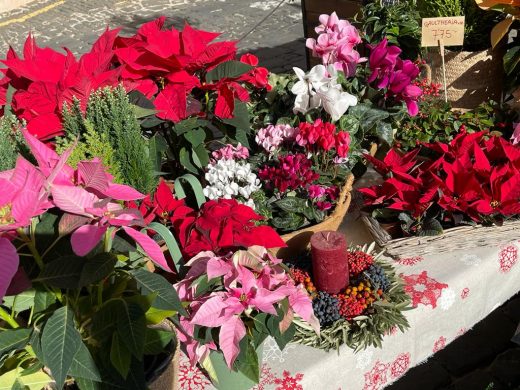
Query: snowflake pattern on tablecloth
410, 260
439, 344
461, 332
364, 358
446, 299
423, 289
273, 353
267, 378
464, 293
376, 378
288, 382
191, 377
400, 365
391, 332
470, 259
507, 257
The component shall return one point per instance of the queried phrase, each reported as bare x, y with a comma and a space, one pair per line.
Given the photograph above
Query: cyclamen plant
78, 258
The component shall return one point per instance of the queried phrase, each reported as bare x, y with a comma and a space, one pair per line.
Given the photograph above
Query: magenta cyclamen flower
391, 72
291, 172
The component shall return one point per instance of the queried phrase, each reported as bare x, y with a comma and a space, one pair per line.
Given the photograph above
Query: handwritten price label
449, 31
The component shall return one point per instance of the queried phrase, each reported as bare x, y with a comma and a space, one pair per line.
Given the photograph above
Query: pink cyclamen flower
272, 136
382, 62
230, 152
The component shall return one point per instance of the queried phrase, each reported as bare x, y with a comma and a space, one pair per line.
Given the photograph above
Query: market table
450, 293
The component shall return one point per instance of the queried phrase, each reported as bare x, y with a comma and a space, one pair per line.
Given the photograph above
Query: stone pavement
76, 23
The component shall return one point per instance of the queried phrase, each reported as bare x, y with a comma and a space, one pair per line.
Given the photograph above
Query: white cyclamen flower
230, 179
336, 102
306, 87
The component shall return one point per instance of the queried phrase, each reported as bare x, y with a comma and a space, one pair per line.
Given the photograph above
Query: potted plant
78, 304
470, 181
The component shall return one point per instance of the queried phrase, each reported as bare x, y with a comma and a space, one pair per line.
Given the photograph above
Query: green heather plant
11, 141
110, 114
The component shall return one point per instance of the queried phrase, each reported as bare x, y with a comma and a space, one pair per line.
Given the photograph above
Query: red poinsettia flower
394, 161
45, 79
503, 195
225, 224
258, 76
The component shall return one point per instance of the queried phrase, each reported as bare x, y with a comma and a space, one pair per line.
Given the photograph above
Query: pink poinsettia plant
67, 242
240, 299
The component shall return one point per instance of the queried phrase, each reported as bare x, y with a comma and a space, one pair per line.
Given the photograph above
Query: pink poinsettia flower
515, 138
9, 261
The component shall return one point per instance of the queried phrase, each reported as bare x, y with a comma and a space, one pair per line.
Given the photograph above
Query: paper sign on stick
448, 30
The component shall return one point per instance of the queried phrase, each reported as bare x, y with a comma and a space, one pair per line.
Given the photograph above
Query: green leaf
291, 204
195, 137
186, 125
166, 299
131, 327
201, 154
120, 357
249, 365
180, 193
156, 316
13, 339
241, 136
42, 300
15, 380
60, 342
511, 59
349, 123
184, 158
156, 341
46, 230
157, 147
240, 118
385, 132
97, 268
171, 242
84, 366
430, 227
142, 112
64, 272
20, 302
288, 222
228, 69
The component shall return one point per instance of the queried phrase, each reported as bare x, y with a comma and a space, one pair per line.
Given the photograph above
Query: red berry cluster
302, 277
322, 136
358, 261
429, 89
356, 299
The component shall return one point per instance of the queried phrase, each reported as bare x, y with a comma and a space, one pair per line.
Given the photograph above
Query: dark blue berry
377, 276
326, 308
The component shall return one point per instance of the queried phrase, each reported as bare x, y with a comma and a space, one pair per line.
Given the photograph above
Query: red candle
329, 261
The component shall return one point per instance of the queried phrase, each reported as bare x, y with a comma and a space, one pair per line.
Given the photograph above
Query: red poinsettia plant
473, 179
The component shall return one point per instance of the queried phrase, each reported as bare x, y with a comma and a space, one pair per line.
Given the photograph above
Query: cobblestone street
76, 23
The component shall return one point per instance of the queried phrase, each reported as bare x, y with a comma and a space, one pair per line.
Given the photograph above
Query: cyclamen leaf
60, 343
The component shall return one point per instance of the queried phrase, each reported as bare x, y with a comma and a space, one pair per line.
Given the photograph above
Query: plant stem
32, 247
7, 318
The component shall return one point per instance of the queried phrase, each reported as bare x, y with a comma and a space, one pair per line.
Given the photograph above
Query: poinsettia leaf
120, 357
42, 300
228, 69
97, 268
185, 160
248, 363
63, 272
84, 366
431, 227
166, 299
131, 327
60, 342
20, 302
11, 339
156, 340
157, 147
186, 125
200, 155
240, 118
195, 136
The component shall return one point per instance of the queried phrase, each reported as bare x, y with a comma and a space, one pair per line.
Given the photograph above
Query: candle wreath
361, 314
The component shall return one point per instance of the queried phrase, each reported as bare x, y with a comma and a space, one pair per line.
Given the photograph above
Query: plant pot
471, 77
392, 228
225, 379
164, 374
299, 240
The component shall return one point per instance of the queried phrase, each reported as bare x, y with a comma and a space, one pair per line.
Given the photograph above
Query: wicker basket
461, 237
471, 77
298, 240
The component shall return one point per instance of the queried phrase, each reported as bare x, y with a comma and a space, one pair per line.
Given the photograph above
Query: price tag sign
449, 31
